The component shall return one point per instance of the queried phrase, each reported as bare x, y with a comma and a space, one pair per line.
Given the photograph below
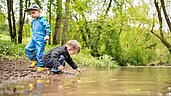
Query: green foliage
10, 49
4, 29
4, 37
85, 59
3, 26
124, 35
2, 17
107, 62
139, 56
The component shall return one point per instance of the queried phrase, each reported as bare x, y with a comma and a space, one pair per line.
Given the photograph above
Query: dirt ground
18, 70
14, 69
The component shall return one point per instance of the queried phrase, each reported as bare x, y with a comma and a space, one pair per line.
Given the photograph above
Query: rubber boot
33, 64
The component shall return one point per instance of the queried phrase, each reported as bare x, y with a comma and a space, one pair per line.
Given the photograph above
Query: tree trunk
161, 36
50, 17
109, 5
65, 29
9, 18
12, 30
21, 21
56, 36
165, 14
13, 20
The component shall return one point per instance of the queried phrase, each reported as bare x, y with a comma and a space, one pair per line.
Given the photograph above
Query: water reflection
135, 81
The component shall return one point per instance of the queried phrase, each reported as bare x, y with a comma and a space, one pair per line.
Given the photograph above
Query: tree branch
109, 5
165, 14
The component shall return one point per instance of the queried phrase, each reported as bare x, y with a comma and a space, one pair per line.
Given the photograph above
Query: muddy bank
13, 70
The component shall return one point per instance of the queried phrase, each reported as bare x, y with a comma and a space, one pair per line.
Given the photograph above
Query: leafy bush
139, 56
3, 29
85, 59
8, 48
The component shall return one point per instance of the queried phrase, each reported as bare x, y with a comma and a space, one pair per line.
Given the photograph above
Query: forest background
111, 32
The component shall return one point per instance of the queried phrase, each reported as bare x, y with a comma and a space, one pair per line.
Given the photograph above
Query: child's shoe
40, 81
31, 87
55, 70
39, 69
34, 62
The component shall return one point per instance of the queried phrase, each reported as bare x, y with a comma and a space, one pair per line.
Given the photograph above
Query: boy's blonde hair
74, 44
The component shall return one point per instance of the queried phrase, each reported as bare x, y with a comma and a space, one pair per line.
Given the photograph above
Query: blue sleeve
46, 25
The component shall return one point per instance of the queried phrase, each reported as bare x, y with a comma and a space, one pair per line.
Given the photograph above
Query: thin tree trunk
165, 14
56, 36
21, 21
50, 17
65, 29
161, 36
9, 18
13, 20
109, 5
11, 25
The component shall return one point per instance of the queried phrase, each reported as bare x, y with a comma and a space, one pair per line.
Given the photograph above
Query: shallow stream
126, 81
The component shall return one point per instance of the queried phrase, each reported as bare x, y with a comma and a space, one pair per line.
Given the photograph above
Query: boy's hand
79, 70
61, 67
46, 37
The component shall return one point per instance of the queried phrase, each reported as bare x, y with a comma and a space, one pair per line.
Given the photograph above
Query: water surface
132, 81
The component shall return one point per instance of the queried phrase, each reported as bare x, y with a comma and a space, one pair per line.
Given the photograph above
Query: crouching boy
55, 58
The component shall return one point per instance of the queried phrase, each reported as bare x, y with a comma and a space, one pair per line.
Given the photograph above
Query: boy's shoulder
42, 17
60, 48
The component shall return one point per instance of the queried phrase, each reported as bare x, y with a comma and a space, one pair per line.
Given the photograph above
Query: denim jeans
53, 67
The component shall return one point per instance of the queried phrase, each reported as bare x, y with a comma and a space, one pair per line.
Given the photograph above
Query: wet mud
12, 70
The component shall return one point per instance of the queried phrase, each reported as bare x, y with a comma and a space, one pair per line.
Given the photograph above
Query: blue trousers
49, 64
35, 50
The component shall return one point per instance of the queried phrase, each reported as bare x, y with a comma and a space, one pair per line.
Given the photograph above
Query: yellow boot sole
39, 69
34, 63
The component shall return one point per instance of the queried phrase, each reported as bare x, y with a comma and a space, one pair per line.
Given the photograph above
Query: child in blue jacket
40, 34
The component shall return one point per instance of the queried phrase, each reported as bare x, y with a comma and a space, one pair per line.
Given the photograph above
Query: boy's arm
71, 63
47, 26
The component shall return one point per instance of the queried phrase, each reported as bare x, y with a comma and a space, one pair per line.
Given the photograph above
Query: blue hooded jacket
40, 28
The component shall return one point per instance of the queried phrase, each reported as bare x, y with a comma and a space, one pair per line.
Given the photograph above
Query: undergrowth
84, 59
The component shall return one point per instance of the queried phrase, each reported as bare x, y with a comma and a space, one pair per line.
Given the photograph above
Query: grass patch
10, 49
4, 37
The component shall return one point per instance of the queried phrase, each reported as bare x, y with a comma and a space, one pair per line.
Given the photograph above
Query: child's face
72, 51
34, 13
